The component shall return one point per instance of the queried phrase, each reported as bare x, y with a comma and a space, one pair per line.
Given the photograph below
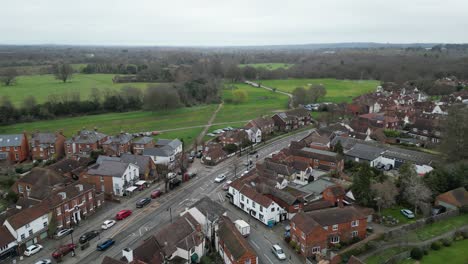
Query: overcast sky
233, 22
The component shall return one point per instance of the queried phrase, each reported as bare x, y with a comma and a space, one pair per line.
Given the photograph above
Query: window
59, 212
302, 248
102, 178
248, 201
27, 225
90, 196
242, 197
303, 235
30, 232
20, 188
68, 219
316, 250
354, 233
325, 227
332, 163
22, 236
293, 225
355, 223
16, 148
253, 204
65, 206
45, 224
247, 261
335, 227
415, 129
273, 209
261, 208
335, 239
260, 216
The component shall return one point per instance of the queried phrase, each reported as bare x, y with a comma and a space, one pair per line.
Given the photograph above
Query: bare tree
8, 76
315, 92
385, 193
62, 71
416, 193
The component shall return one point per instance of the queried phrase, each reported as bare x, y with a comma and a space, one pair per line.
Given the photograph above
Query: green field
337, 90
455, 254
268, 66
438, 228
41, 86
385, 255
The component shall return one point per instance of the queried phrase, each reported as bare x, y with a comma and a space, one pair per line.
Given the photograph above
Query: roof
278, 167
304, 222
139, 160
233, 239
211, 209
317, 205
336, 215
149, 251
317, 187
262, 122
320, 152
457, 197
12, 140
173, 143
43, 181
43, 138
122, 138
108, 168
109, 260
366, 152
87, 137
5, 237
250, 192
71, 191
69, 165
27, 215
164, 151
143, 140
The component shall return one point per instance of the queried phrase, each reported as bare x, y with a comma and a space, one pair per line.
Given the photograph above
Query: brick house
117, 145
71, 168
39, 184
454, 199
8, 244
292, 119
45, 146
138, 145
321, 159
232, 246
14, 147
84, 142
265, 124
316, 231
237, 137
213, 153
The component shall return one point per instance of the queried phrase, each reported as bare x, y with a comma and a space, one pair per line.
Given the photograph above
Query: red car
123, 214
155, 194
64, 250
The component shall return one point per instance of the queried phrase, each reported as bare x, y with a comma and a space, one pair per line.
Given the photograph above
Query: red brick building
84, 142
45, 146
14, 147
237, 137
316, 231
265, 124
232, 246
118, 145
138, 145
292, 119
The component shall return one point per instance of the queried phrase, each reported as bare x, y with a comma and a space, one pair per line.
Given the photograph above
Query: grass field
384, 255
455, 254
268, 66
41, 86
395, 212
438, 228
337, 90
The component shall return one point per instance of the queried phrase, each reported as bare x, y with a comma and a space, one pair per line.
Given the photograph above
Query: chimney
63, 195
128, 254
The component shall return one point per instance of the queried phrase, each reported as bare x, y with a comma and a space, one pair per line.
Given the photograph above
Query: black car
88, 236
173, 183
143, 202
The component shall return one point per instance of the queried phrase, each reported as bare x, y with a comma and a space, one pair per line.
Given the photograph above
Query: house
112, 177
8, 243
322, 189
254, 134
14, 147
378, 120
316, 231
117, 145
364, 153
232, 246
71, 168
147, 168
238, 137
425, 129
320, 159
175, 144
316, 141
161, 155
179, 242
45, 146
265, 124
292, 119
84, 142
213, 154
454, 199
138, 145
290, 199
39, 184
29, 225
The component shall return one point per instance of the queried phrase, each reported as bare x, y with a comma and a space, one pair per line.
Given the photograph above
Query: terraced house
232, 246
14, 147
84, 142
117, 145
45, 146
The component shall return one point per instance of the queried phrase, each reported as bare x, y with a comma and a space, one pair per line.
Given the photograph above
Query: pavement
144, 222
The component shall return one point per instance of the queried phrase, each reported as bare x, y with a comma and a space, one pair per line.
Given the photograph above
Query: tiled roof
43, 138
233, 240
143, 140
108, 168
71, 191
69, 165
336, 215
122, 138
43, 181
317, 205
457, 197
304, 222
173, 143
164, 151
13, 140
209, 208
87, 137
109, 260
5, 237
27, 215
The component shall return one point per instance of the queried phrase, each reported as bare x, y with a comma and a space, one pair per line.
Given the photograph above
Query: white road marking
268, 258
255, 244
183, 201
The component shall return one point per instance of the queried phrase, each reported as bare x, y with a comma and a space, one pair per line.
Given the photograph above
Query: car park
407, 213
220, 178
63, 232
278, 252
108, 224
64, 250
88, 236
226, 185
32, 249
43, 261
122, 214
156, 193
105, 245
142, 202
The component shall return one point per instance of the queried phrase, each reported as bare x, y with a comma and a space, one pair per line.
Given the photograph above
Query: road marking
268, 258
255, 244
183, 201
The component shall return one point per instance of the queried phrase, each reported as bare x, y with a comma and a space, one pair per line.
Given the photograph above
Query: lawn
455, 254
268, 66
41, 86
395, 212
438, 228
384, 255
337, 90
260, 102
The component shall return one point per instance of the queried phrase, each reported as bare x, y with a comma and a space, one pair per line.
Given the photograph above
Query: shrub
19, 170
293, 244
464, 233
436, 245
446, 242
425, 251
416, 253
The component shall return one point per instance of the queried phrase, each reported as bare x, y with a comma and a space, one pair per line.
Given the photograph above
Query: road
145, 222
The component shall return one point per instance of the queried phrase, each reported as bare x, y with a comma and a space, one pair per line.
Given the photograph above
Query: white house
123, 175
29, 225
8, 243
175, 144
438, 109
163, 155
254, 134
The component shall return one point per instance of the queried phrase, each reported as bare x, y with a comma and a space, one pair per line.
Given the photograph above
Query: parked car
407, 213
122, 214
380, 166
278, 251
105, 245
191, 159
88, 236
173, 183
438, 209
63, 232
156, 193
211, 135
226, 185
220, 178
32, 249
64, 250
142, 202
200, 154
108, 224
388, 167
44, 261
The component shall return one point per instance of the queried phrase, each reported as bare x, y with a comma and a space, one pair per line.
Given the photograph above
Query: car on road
226, 185
64, 250
88, 236
253, 152
32, 249
220, 178
63, 232
278, 252
105, 245
407, 213
156, 193
43, 261
108, 224
142, 202
122, 214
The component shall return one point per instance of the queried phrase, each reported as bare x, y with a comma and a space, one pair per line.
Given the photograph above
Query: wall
36, 225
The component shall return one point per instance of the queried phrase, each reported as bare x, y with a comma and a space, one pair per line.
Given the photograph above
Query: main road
145, 222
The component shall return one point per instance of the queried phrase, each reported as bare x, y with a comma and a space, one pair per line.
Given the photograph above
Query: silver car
278, 251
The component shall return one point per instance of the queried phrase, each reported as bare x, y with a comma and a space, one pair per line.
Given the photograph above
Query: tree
361, 186
240, 96
161, 97
62, 71
233, 73
416, 193
8, 76
338, 148
455, 140
249, 72
385, 193
300, 96
316, 92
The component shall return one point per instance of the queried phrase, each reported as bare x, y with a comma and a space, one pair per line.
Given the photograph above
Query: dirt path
290, 104
208, 125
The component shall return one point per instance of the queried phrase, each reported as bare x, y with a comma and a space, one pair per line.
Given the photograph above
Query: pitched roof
173, 143
43, 138
336, 215
143, 140
139, 160
317, 205
108, 168
233, 239
255, 196
304, 222
69, 165
13, 140
122, 138
43, 181
87, 137
164, 151
5, 237
457, 197
149, 251
27, 215
71, 191
363, 151
109, 260
211, 209
317, 187
262, 122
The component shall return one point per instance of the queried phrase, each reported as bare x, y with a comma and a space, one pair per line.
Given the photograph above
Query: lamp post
170, 212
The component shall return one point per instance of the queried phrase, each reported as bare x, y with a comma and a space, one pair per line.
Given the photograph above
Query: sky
231, 23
